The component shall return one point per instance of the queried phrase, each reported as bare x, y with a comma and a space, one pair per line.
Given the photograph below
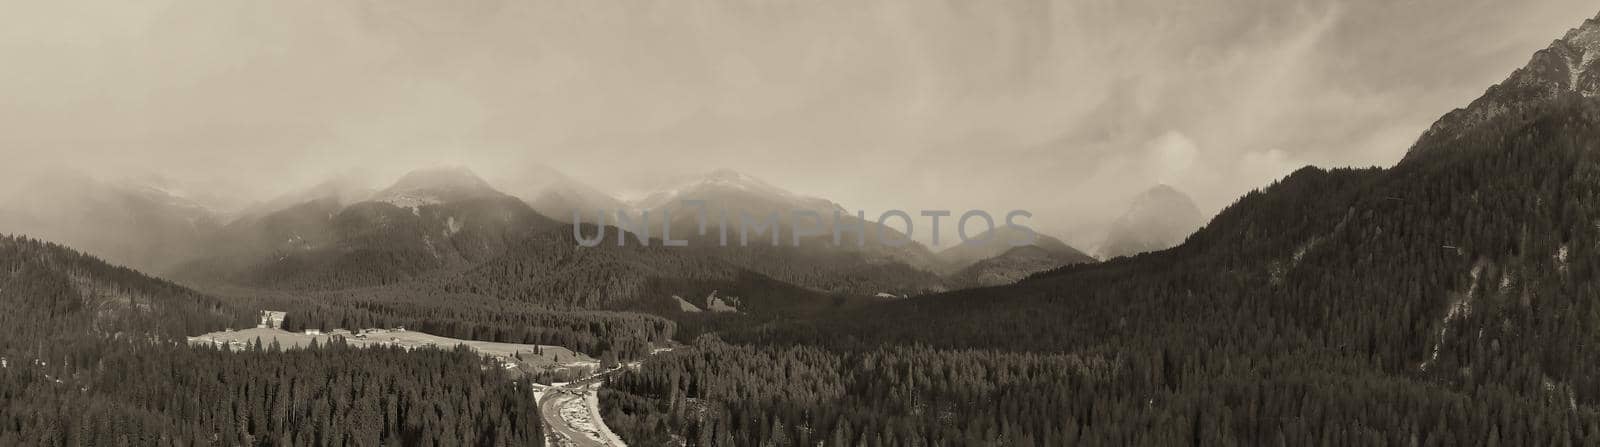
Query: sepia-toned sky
1064, 108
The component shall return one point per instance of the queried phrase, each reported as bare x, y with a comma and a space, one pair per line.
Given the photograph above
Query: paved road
579, 425
569, 429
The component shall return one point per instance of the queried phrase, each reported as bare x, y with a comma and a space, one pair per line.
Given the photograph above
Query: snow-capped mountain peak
1566, 68
436, 185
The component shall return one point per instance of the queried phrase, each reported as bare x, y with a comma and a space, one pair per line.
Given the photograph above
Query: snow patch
1561, 258
410, 200
1587, 41
452, 226
1459, 308
1574, 71
684, 305
716, 303
1300, 253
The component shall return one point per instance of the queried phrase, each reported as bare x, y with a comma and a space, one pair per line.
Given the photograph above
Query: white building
271, 319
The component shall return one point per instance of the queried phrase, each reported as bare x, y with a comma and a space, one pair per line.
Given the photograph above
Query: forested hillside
51, 291
318, 246
1450, 298
141, 393
93, 354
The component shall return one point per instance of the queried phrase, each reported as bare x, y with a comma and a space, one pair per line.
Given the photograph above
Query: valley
569, 408
422, 261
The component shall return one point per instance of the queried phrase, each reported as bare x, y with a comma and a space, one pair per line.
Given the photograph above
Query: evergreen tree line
716, 394
102, 392
1449, 300
93, 354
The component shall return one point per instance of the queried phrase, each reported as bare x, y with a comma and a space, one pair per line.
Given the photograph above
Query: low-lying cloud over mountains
1063, 108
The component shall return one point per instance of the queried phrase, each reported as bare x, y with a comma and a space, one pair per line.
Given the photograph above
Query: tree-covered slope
1453, 298
95, 354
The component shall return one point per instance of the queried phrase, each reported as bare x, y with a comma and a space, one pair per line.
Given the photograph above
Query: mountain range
449, 229
438, 222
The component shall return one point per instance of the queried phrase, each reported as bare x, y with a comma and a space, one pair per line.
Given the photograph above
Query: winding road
571, 414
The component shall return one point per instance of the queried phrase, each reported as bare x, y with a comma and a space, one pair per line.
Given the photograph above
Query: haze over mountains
443, 221
1158, 219
555, 194
130, 222
428, 220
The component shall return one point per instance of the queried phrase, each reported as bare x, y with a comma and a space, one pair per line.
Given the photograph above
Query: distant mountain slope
428, 220
550, 272
866, 268
130, 223
440, 223
557, 195
300, 227
550, 267
1001, 240
340, 190
1014, 265
999, 261
1158, 219
730, 193
51, 290
435, 186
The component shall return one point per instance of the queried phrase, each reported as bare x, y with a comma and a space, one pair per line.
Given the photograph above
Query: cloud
1264, 167
1171, 156
1061, 107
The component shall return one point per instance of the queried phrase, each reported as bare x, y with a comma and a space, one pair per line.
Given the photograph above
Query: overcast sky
1064, 108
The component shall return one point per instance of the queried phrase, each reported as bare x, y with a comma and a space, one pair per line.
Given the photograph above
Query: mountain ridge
1568, 66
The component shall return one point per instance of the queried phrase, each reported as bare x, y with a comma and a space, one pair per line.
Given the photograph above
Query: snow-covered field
510, 354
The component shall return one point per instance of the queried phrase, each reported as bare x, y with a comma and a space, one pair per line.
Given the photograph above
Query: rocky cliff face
1566, 68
